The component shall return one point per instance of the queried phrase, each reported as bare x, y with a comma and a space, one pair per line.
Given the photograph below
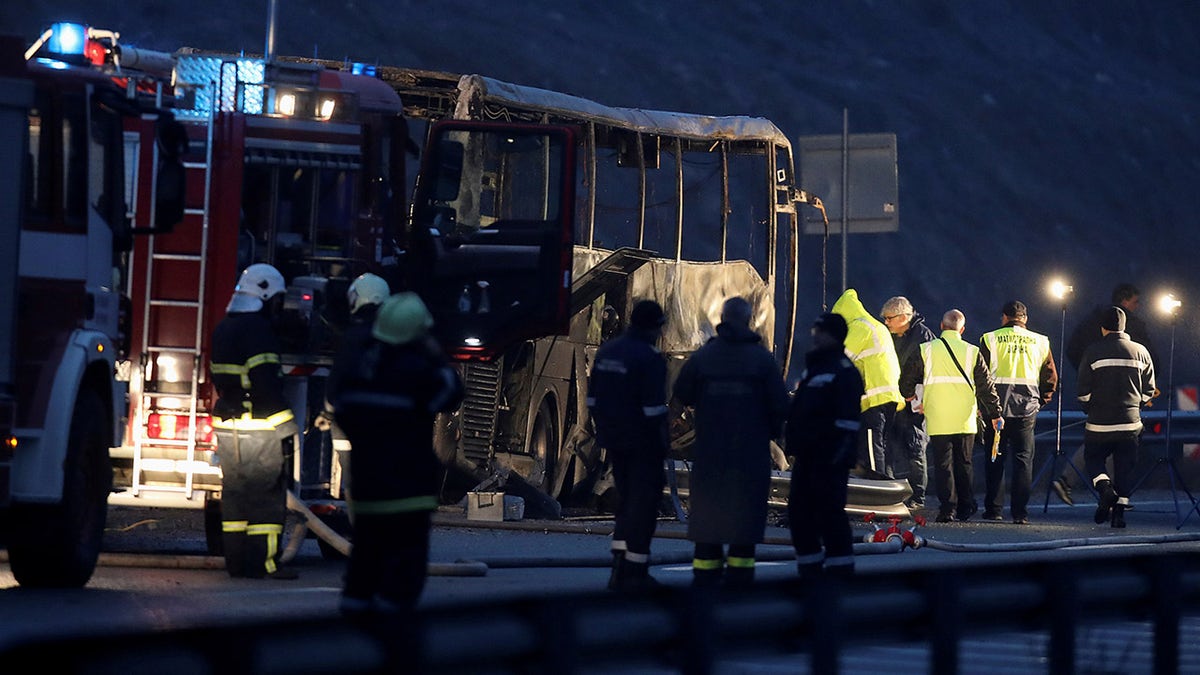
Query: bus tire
56, 545
543, 445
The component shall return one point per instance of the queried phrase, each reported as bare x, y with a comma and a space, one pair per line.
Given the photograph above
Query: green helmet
402, 318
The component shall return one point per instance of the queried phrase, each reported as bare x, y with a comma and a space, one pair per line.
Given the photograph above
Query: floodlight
1060, 289
1168, 304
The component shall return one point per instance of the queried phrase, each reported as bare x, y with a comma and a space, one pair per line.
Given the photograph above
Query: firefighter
735, 386
388, 384
822, 432
627, 398
364, 296
1116, 378
254, 422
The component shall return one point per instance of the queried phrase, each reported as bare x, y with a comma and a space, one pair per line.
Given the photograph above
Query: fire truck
284, 162
288, 163
65, 238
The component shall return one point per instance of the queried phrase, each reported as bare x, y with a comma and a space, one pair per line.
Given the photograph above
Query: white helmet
367, 289
259, 282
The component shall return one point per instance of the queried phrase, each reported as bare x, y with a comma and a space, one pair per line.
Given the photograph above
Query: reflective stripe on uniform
248, 423
706, 563
378, 507
1031, 382
1099, 478
1128, 426
885, 389
261, 359
272, 531
637, 557
242, 370
820, 380
1118, 363
234, 525
949, 395
735, 561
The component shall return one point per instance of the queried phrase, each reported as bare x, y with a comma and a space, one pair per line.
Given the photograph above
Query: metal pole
845, 193
1170, 386
1062, 349
269, 52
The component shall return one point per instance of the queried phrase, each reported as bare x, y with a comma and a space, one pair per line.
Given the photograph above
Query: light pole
1061, 291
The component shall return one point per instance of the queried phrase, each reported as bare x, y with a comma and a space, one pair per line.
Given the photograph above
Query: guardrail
681, 628
1185, 427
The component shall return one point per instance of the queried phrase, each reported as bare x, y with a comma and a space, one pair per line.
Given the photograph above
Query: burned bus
540, 218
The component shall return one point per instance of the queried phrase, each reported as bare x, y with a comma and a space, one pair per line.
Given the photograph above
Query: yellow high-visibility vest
871, 348
1015, 357
949, 398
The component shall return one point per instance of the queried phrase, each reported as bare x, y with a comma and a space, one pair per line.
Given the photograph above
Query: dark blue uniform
253, 420
385, 398
628, 401
822, 432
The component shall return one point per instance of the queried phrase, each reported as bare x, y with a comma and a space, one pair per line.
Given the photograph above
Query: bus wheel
543, 446
56, 546
213, 532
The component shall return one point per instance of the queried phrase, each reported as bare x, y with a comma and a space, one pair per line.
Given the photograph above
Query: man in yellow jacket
951, 400
870, 347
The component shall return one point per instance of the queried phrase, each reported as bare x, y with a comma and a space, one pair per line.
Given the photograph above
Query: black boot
1118, 515
707, 577
616, 569
739, 577
1108, 498
634, 577
809, 571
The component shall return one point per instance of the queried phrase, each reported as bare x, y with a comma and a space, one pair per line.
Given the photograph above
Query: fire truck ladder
151, 352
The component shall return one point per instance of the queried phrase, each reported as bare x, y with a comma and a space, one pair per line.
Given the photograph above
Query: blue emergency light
362, 69
67, 39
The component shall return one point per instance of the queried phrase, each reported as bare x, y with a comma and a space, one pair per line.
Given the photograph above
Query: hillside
1034, 138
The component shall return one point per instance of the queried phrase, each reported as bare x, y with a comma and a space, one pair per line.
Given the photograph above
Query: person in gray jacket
740, 402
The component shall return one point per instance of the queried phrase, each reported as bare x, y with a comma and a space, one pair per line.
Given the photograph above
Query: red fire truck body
290, 164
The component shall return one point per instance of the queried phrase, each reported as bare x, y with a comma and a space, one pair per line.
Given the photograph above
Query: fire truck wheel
56, 546
213, 538
543, 446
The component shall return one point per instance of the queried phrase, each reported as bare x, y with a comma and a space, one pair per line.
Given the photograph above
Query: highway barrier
683, 629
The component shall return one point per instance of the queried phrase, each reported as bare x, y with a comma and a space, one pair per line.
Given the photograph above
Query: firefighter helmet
402, 318
258, 283
367, 289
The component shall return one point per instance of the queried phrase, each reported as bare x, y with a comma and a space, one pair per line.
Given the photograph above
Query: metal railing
679, 628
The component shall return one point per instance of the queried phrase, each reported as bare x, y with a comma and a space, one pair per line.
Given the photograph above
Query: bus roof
480, 88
